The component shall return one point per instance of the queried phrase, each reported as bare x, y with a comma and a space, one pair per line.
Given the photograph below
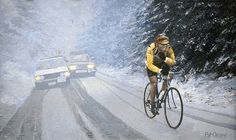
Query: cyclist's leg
153, 83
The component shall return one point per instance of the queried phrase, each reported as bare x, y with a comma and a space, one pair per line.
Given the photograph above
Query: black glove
162, 56
165, 70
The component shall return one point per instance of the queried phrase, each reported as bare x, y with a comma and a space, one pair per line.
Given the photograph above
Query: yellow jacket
170, 58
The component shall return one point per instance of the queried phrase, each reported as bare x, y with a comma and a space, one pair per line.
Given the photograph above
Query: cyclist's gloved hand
162, 56
165, 70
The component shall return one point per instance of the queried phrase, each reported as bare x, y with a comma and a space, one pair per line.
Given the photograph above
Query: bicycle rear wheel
173, 108
147, 102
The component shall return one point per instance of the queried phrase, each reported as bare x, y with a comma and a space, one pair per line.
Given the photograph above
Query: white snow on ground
8, 100
128, 106
219, 92
200, 91
57, 115
18, 85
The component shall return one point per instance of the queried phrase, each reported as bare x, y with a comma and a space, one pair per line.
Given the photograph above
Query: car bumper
79, 71
52, 82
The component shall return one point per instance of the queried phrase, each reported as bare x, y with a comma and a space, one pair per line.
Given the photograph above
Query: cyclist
159, 57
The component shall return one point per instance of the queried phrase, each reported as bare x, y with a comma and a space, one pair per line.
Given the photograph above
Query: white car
51, 71
81, 63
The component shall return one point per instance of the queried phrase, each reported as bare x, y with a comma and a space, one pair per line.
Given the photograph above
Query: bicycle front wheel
173, 108
147, 102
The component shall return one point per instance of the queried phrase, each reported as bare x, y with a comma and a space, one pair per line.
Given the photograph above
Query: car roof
78, 52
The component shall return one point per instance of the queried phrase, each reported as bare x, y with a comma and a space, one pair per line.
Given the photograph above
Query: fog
30, 30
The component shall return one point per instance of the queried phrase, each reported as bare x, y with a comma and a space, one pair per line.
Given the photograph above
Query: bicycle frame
162, 99
163, 96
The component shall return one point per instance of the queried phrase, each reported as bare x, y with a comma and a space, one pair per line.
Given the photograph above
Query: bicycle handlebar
159, 76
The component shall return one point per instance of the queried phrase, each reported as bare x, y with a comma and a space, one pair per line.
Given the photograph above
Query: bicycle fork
168, 99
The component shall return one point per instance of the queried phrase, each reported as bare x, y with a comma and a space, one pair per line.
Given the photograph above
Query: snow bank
17, 84
214, 92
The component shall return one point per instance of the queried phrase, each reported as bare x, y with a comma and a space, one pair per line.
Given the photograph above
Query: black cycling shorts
150, 73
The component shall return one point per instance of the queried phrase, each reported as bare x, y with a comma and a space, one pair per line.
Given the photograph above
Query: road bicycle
173, 104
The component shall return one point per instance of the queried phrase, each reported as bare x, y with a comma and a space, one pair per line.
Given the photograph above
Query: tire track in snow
26, 123
75, 109
108, 125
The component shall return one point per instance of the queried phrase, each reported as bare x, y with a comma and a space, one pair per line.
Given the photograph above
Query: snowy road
102, 108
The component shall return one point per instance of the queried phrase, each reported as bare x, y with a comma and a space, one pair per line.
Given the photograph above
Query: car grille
51, 76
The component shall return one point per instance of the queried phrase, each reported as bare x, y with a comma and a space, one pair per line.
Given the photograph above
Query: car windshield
75, 58
50, 63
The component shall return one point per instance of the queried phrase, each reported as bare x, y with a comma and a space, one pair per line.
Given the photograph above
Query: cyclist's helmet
162, 39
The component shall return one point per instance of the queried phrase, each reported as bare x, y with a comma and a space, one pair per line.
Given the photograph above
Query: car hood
50, 71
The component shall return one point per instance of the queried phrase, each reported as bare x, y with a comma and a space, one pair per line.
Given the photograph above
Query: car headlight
38, 77
90, 66
67, 74
72, 67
